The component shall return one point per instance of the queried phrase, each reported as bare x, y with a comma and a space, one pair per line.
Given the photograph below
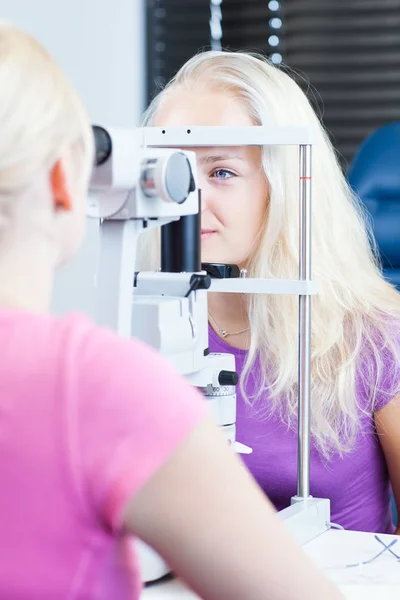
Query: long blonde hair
41, 116
354, 315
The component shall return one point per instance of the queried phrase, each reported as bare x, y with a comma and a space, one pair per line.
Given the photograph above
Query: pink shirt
86, 418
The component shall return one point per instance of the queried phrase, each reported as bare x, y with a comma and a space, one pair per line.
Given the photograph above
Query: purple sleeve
379, 371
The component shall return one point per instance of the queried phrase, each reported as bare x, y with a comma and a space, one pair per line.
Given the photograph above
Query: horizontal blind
250, 25
176, 30
349, 50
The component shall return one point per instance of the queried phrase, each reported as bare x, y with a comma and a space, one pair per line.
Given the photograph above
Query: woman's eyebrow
213, 158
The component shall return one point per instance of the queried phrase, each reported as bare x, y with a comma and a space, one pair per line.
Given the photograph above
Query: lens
103, 144
178, 178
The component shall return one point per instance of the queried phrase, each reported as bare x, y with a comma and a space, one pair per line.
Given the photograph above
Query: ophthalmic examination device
145, 178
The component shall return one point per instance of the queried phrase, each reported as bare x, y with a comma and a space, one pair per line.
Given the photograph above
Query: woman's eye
223, 174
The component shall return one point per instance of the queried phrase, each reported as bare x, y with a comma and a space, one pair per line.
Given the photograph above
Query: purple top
357, 485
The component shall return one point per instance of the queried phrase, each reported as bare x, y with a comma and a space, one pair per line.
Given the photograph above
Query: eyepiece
103, 145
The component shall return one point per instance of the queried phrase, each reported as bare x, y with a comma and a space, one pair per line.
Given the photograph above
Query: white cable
335, 526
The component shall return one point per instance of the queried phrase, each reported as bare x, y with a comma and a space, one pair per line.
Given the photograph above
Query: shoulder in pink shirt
86, 419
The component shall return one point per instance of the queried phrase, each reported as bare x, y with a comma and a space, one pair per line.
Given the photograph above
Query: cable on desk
335, 526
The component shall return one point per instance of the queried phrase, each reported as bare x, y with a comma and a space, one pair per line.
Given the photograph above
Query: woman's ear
61, 194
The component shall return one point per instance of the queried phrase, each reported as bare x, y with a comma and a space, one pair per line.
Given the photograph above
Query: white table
379, 580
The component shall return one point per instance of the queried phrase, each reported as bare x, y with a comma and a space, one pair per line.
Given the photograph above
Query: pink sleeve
134, 410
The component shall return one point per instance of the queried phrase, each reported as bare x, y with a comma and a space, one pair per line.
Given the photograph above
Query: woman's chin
210, 253
207, 257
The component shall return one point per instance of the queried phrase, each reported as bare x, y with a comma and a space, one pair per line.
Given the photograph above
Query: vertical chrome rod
303, 468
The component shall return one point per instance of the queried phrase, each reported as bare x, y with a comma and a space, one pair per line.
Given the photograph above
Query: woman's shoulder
40, 335
378, 367
74, 345
108, 353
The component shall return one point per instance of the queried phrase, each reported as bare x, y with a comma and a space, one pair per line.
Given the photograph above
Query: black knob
198, 281
228, 378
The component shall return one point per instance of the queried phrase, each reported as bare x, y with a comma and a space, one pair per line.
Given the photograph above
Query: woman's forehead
206, 108
183, 108
214, 154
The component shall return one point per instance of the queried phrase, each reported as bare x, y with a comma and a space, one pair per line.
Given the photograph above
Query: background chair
375, 175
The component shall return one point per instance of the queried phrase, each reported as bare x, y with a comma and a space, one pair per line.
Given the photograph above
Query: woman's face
234, 191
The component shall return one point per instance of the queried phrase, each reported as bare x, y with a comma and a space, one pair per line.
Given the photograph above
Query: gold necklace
223, 333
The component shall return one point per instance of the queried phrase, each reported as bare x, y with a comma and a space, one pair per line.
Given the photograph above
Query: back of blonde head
41, 116
354, 315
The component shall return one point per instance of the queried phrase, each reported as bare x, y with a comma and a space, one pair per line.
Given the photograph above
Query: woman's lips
207, 233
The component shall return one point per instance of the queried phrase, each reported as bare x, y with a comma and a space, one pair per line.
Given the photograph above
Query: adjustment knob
228, 378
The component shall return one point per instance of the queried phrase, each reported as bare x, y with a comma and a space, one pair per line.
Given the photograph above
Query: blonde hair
354, 315
41, 116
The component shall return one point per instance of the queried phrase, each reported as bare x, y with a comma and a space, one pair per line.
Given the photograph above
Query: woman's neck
228, 317
26, 275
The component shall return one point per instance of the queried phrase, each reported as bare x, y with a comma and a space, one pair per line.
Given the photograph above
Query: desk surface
332, 551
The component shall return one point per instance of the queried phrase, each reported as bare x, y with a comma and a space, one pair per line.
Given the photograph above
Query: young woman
250, 217
92, 446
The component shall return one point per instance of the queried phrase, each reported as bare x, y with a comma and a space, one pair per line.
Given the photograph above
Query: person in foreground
250, 208
93, 446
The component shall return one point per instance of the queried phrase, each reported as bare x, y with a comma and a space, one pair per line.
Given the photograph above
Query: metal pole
303, 473
115, 275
